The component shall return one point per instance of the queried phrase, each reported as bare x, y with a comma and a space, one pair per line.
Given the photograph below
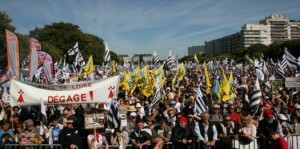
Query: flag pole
95, 137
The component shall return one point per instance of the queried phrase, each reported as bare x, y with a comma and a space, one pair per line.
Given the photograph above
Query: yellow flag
181, 71
207, 80
89, 67
127, 83
196, 58
249, 59
113, 69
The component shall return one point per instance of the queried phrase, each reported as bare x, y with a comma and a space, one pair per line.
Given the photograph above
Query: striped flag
256, 97
280, 70
157, 95
170, 61
25, 62
114, 120
73, 50
155, 58
284, 62
43, 118
200, 106
79, 61
106, 54
292, 61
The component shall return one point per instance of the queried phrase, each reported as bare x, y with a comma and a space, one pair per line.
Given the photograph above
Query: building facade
145, 58
226, 44
196, 50
124, 58
254, 34
273, 28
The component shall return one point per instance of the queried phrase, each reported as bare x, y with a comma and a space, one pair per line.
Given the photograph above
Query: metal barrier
33, 146
293, 141
251, 145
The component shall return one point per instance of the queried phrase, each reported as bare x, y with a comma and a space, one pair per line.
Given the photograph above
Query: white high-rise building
254, 34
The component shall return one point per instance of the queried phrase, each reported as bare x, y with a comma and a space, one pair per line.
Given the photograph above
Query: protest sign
29, 138
85, 92
292, 82
92, 121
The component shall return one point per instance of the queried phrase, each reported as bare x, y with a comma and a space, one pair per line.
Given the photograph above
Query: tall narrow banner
22, 93
46, 59
13, 54
35, 46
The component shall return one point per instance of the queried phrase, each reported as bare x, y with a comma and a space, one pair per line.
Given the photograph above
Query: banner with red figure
24, 93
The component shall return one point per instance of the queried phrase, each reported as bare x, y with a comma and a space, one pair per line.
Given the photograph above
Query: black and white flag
73, 50
114, 120
256, 97
200, 106
155, 58
106, 54
291, 60
170, 61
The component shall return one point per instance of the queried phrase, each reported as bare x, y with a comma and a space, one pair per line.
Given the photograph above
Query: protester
69, 137
120, 139
139, 137
31, 132
96, 140
54, 130
247, 131
227, 130
182, 135
277, 141
208, 132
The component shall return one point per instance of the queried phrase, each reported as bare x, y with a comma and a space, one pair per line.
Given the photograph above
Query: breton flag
157, 95
34, 62
292, 61
170, 61
155, 58
280, 70
284, 62
79, 61
256, 97
106, 54
200, 106
73, 50
25, 62
12, 45
114, 120
43, 118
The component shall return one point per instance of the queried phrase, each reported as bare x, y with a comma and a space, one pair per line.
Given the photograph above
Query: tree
58, 38
5, 21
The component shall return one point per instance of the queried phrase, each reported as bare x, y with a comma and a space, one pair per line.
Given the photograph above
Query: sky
144, 26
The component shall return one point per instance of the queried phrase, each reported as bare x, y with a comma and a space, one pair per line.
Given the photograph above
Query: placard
29, 138
92, 121
292, 82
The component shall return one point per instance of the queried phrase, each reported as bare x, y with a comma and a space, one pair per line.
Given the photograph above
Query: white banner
292, 82
84, 92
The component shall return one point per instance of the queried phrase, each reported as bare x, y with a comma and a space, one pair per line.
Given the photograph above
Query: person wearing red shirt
234, 116
277, 141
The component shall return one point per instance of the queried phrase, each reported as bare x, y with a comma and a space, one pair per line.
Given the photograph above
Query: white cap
132, 114
282, 117
297, 106
138, 105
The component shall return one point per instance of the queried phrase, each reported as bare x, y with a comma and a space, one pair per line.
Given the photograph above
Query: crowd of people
172, 119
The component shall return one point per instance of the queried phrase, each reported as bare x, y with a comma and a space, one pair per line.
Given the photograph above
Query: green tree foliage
58, 38
5, 21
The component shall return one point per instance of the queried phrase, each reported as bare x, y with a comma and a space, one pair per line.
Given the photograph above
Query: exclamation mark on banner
92, 95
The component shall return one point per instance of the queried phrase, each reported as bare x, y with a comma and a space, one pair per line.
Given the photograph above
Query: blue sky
144, 26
